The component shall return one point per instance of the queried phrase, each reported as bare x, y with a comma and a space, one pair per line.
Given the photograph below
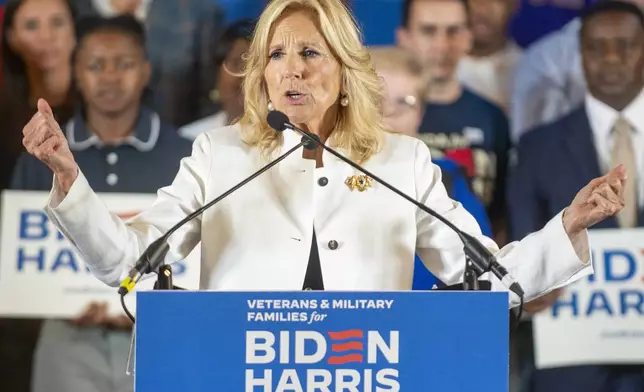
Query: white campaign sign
598, 320
42, 275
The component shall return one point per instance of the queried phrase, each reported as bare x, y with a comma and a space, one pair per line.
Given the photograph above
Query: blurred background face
229, 86
111, 72
302, 75
489, 20
42, 33
437, 36
401, 107
125, 6
612, 47
636, 2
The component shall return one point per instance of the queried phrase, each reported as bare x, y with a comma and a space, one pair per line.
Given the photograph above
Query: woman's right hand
43, 138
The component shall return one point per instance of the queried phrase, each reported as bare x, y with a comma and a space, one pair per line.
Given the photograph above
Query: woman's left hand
119, 322
94, 314
601, 198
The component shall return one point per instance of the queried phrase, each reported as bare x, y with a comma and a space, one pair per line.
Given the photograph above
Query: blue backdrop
380, 18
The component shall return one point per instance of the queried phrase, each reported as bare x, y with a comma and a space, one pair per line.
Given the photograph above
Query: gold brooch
361, 183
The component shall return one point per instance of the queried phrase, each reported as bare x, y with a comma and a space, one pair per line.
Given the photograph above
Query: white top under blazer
259, 238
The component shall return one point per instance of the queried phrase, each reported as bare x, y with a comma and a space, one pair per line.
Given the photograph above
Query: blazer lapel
579, 141
290, 186
293, 186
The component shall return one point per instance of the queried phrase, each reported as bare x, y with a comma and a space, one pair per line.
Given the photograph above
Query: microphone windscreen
277, 120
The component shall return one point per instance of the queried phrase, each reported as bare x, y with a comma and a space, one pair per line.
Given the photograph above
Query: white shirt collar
105, 9
194, 129
602, 117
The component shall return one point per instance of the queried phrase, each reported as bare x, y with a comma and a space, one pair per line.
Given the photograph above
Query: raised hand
600, 199
43, 138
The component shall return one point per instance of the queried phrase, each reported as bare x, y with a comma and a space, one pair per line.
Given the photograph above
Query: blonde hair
396, 59
359, 128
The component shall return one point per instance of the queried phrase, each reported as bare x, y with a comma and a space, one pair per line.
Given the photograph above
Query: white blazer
259, 238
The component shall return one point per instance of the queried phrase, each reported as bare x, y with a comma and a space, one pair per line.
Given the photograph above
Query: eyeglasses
400, 105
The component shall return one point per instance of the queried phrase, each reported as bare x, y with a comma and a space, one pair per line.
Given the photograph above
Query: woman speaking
312, 221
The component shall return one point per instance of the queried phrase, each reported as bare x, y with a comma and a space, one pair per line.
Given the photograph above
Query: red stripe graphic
351, 335
348, 334
339, 347
342, 359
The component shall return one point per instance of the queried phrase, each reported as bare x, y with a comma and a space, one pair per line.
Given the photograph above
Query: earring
344, 101
214, 95
270, 106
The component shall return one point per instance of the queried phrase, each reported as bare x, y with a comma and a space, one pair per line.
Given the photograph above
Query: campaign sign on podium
322, 341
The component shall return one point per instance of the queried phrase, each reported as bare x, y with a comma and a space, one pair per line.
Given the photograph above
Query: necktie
623, 153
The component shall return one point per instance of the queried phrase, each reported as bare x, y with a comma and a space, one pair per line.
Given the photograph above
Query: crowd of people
516, 133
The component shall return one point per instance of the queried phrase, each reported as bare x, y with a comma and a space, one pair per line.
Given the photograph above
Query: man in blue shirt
457, 123
121, 146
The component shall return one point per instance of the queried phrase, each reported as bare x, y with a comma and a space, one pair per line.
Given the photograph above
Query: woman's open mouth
294, 97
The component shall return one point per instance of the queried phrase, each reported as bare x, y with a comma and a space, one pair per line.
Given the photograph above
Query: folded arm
111, 246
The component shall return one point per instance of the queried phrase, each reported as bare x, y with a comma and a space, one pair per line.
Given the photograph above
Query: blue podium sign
322, 341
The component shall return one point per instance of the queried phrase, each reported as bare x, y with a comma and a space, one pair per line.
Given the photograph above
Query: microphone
156, 252
482, 259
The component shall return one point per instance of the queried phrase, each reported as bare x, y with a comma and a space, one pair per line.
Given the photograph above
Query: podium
322, 341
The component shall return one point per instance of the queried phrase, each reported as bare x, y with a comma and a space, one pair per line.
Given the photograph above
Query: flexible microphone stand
470, 279
479, 259
152, 258
164, 282
164, 279
155, 253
